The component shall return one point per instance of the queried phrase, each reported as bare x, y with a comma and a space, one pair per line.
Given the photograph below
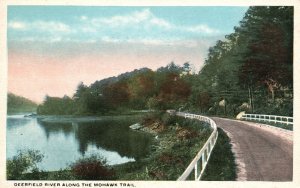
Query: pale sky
53, 48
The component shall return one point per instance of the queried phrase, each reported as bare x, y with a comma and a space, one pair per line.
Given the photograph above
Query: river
63, 142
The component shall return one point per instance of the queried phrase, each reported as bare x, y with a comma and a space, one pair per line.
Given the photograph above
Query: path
262, 153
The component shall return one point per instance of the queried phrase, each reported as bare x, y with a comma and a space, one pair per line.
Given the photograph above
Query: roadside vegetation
178, 141
221, 165
279, 125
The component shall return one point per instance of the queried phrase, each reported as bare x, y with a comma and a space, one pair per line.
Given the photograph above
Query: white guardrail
269, 118
199, 163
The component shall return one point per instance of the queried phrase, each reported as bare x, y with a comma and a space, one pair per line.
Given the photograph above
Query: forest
249, 70
18, 104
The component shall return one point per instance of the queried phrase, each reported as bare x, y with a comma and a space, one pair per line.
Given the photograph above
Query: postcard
149, 94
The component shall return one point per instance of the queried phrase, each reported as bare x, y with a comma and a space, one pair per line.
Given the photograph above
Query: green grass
221, 165
279, 125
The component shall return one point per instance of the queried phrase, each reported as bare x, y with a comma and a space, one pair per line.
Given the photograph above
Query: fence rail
269, 118
200, 161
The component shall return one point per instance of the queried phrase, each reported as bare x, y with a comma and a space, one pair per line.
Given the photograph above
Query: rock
244, 106
222, 103
31, 115
171, 112
239, 116
136, 126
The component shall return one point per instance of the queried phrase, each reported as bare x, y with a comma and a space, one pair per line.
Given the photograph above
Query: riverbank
173, 154
176, 142
78, 119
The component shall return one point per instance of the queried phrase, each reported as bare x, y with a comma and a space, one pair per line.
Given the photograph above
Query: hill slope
18, 104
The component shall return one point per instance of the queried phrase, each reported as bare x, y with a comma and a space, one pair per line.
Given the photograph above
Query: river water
62, 143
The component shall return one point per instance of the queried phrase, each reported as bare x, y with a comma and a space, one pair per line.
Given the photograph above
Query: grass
221, 165
279, 125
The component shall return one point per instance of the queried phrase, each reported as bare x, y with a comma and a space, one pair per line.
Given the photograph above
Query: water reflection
56, 128
17, 122
112, 135
62, 143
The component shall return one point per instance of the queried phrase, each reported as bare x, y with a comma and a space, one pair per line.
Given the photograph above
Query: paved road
262, 154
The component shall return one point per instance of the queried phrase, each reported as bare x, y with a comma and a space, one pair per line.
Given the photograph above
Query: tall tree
268, 60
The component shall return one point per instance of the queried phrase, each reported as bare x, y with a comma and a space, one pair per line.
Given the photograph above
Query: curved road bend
262, 153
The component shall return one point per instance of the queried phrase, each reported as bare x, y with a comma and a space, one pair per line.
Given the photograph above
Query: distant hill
18, 104
100, 84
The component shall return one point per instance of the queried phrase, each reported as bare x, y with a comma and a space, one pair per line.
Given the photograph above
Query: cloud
17, 25
161, 23
39, 25
110, 40
51, 26
82, 18
141, 19
202, 29
143, 27
152, 41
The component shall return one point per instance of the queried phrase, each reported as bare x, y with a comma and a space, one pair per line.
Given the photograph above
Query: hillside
18, 104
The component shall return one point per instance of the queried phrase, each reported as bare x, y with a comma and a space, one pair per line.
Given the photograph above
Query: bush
92, 168
24, 162
168, 119
62, 174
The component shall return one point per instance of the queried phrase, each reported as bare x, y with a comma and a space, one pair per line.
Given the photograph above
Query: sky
51, 49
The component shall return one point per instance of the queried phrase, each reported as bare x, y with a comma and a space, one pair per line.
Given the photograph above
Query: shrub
62, 174
92, 168
24, 162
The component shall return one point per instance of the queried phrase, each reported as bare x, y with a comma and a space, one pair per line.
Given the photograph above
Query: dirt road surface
262, 153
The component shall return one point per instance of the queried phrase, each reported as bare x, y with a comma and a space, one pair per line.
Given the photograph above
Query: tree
116, 94
174, 90
255, 58
17, 104
268, 60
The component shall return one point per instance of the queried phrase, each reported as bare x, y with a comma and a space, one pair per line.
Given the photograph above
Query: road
262, 153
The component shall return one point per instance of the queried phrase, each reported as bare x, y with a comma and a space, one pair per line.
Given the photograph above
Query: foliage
24, 162
139, 89
16, 104
63, 174
221, 168
92, 168
252, 65
57, 106
176, 148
